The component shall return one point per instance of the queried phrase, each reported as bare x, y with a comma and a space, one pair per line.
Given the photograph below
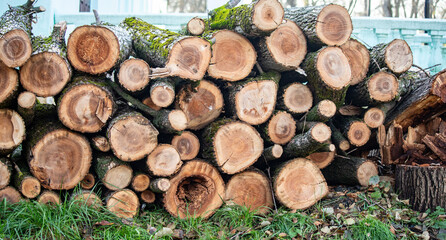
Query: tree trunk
251, 189
379, 87
164, 161
182, 56
89, 198
233, 56
140, 182
232, 145
280, 129
9, 86
187, 144
98, 48
159, 185
162, 92
258, 18
100, 143
148, 196
323, 25
272, 153
359, 59
306, 143
321, 112
114, 173
26, 105
295, 98
24, 182
374, 117
253, 100
329, 74
301, 176
284, 50
49, 198
202, 104
423, 186
124, 203
196, 191
5, 172
10, 194
395, 56
50, 146
47, 71
350, 171
15, 34
134, 74
88, 182
13, 131
354, 129
131, 136
86, 104
338, 138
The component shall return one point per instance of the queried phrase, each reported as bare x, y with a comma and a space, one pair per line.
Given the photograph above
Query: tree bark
379, 87
321, 112
350, 171
395, 56
134, 74
338, 138
272, 153
13, 131
123, 203
359, 59
164, 161
306, 143
187, 144
280, 129
114, 173
9, 86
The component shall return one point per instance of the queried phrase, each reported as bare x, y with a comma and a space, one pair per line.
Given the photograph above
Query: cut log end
93, 49
326, 108
383, 87
123, 203
162, 96
277, 151
160, 185
320, 132
287, 45
365, 171
49, 198
100, 143
196, 191
233, 56
140, 182
398, 56
281, 128
267, 15
8, 82
26, 100
10, 194
118, 177
439, 85
255, 102
189, 58
299, 184
298, 98
15, 48
178, 120
322, 159
237, 146
30, 187
359, 58
187, 145
66, 151
251, 189
164, 161
374, 117
334, 68
196, 26
45, 74
88, 198
88, 182
12, 130
334, 25
148, 196
344, 145
5, 173
134, 74
358, 134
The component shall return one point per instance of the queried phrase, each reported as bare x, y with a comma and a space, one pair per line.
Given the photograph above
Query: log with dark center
321, 112
10, 194
284, 49
9, 85
49, 198
182, 56
140, 182
26, 183
47, 71
295, 98
134, 74
374, 117
26, 105
379, 87
350, 171
162, 92
233, 56
164, 161
86, 104
202, 104
88, 182
395, 56
323, 25
232, 145
187, 144
148, 196
308, 142
359, 59
299, 184
5, 172
131, 136
124, 203
196, 191
251, 189
12, 130
280, 129
114, 173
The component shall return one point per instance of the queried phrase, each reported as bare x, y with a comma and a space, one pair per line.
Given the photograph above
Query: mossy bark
23, 174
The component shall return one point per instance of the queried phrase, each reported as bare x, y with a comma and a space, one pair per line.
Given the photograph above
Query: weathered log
47, 71
232, 145
350, 171
280, 129
323, 25
88, 182
114, 173
50, 146
284, 49
338, 138
423, 186
140, 182
148, 196
251, 189
258, 18
321, 112
49, 198
5, 172
10, 195
439, 85
354, 129
374, 117
15, 33
202, 104
254, 99
100, 143
88, 198
9, 85
26, 104
187, 144
86, 104
164, 161
134, 74
159, 185
272, 153
395, 56
299, 184
308, 142
24, 182
12, 131
295, 98
328, 73
123, 203
162, 92
233, 56
196, 191
359, 59
437, 144
131, 136
182, 56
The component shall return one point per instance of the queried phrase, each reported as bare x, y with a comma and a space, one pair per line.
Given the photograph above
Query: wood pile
246, 106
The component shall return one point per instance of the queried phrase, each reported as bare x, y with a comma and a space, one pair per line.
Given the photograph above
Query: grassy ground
373, 213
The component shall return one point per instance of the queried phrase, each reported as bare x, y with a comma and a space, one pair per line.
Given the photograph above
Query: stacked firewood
245, 106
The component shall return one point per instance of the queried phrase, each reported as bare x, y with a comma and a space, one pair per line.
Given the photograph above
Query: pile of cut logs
253, 104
